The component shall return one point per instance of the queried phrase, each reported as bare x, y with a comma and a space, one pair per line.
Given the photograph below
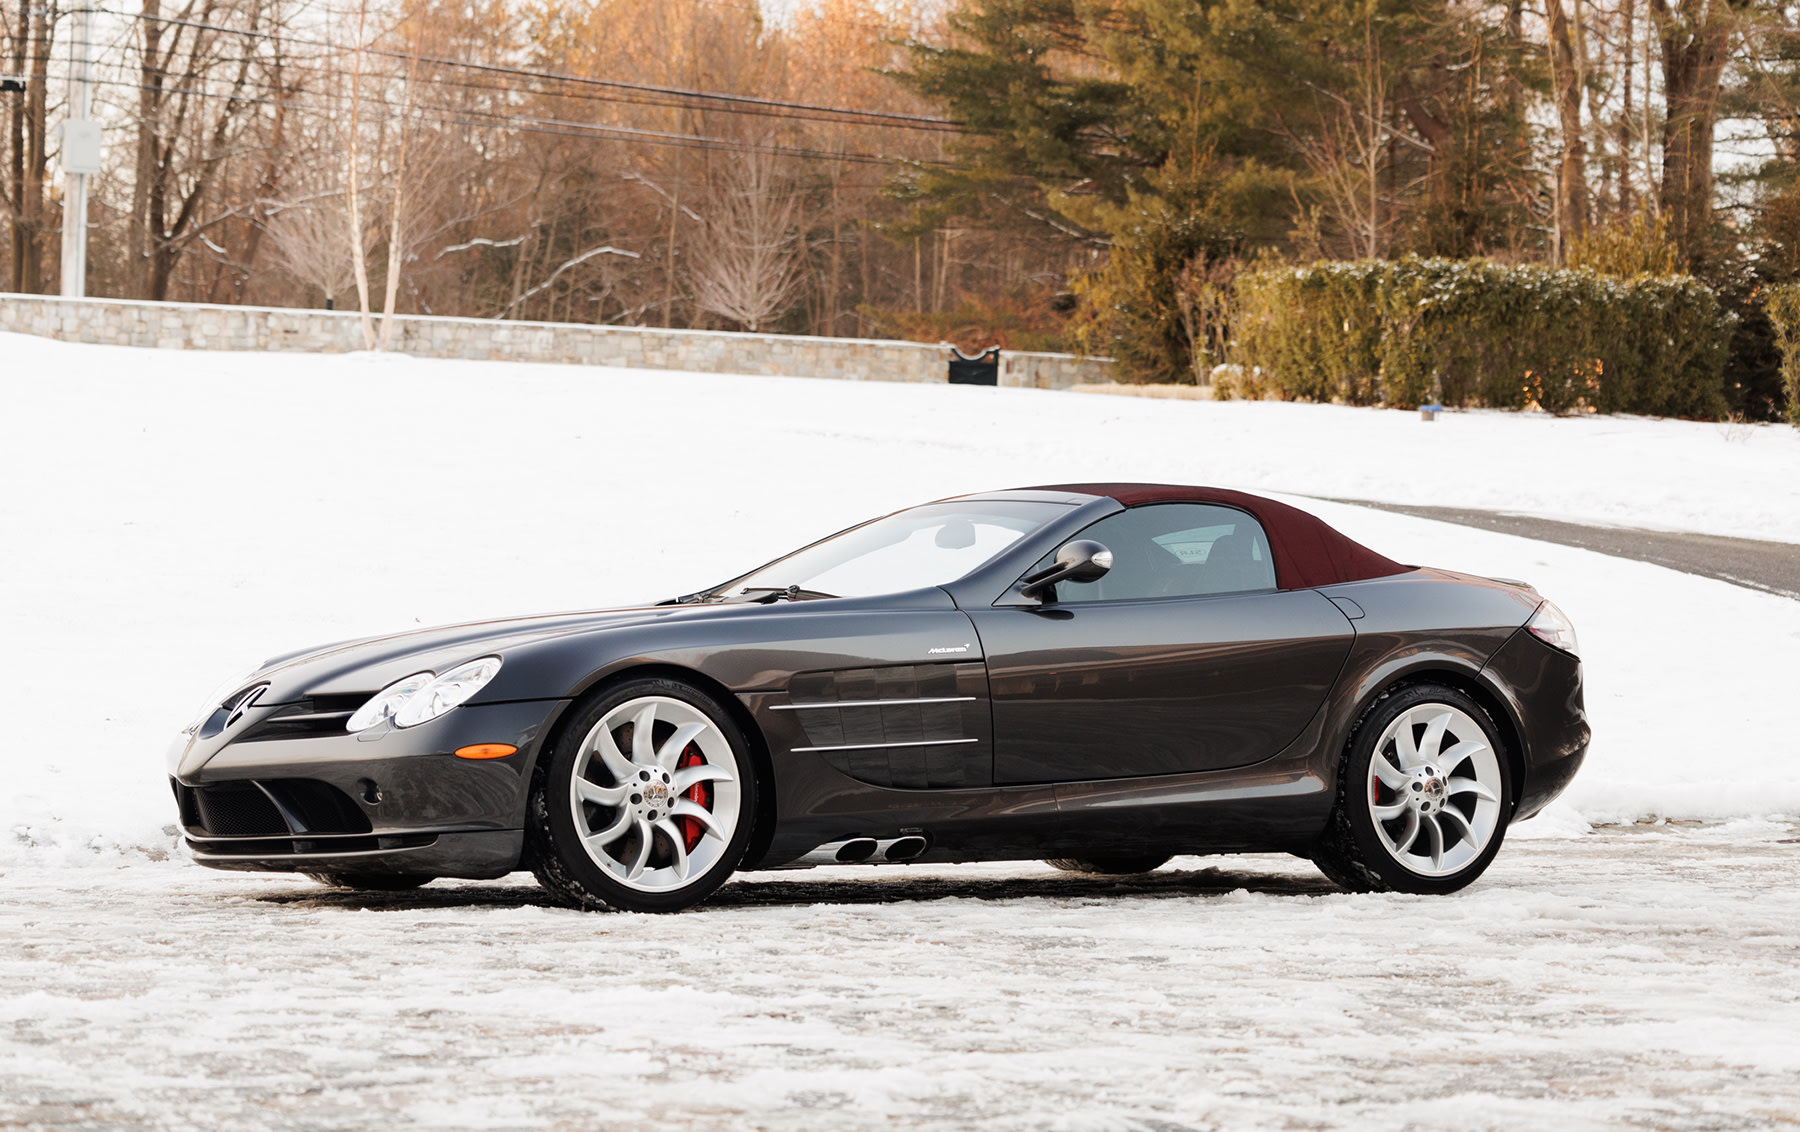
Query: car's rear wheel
1110, 866
1423, 796
372, 882
645, 803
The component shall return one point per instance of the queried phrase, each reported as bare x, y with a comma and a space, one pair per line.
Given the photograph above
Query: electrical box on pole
81, 146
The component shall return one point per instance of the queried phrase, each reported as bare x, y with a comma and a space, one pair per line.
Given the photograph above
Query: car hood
372, 663
366, 666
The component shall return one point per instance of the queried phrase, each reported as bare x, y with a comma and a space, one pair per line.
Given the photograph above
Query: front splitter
477, 855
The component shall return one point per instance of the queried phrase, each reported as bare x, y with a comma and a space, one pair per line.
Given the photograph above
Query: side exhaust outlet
906, 848
857, 850
865, 851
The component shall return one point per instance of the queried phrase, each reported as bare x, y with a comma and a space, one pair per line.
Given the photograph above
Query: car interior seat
1231, 566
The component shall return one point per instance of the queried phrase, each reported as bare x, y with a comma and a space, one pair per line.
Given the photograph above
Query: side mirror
1083, 560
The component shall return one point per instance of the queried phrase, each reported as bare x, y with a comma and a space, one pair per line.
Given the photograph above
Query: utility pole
80, 155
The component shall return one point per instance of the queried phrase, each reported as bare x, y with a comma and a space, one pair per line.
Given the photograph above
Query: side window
1175, 550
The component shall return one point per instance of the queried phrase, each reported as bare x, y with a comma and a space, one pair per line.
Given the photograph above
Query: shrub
1160, 304
1636, 245
1139, 308
1474, 332
1783, 305
1314, 331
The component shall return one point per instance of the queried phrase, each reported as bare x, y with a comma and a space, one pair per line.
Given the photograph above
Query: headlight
423, 696
388, 702
1551, 626
452, 688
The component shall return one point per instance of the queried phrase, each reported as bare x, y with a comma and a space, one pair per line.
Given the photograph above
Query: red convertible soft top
1308, 552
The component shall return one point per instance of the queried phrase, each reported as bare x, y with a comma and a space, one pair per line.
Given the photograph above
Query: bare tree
312, 243
526, 196
1696, 37
749, 268
29, 38
397, 245
1347, 145
200, 95
353, 181
1203, 294
395, 152
1568, 71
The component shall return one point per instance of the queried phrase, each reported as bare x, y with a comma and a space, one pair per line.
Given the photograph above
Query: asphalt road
1773, 567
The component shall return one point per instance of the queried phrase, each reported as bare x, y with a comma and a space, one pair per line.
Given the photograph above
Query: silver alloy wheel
628, 791
1434, 789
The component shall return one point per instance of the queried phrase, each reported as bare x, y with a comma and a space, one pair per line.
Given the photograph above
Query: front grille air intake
232, 809
310, 718
276, 807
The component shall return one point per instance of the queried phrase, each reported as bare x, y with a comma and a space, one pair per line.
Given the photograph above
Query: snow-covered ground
1629, 979
169, 519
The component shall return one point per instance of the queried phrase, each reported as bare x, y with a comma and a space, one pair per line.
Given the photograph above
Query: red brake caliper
700, 795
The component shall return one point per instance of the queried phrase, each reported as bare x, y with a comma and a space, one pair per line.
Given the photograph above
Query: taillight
1553, 627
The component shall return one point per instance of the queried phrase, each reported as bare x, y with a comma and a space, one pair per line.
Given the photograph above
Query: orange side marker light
486, 751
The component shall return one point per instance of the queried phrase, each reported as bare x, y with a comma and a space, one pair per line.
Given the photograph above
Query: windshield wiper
766, 595
772, 594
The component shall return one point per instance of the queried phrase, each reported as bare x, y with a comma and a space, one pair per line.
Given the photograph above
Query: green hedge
1472, 332
1783, 305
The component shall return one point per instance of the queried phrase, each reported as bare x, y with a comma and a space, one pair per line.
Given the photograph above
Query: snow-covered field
1624, 980
168, 518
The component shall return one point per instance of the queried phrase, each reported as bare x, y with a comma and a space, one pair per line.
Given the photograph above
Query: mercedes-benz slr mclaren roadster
1099, 675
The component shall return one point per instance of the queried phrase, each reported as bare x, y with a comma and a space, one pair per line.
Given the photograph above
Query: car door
1184, 657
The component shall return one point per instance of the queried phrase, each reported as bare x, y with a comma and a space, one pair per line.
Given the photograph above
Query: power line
496, 120
310, 67
727, 100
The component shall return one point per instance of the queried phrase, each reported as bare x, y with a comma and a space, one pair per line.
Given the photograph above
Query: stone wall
1021, 370
193, 326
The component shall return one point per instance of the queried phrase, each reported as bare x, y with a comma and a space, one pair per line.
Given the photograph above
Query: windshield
920, 547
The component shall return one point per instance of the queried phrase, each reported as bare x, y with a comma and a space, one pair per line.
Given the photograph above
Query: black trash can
982, 369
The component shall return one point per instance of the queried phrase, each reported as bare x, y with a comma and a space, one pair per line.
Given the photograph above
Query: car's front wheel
1423, 796
645, 802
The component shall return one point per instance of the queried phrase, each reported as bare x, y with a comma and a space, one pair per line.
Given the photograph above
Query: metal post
80, 157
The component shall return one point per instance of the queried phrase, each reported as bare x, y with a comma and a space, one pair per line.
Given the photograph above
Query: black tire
1110, 866
554, 846
372, 882
1351, 852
